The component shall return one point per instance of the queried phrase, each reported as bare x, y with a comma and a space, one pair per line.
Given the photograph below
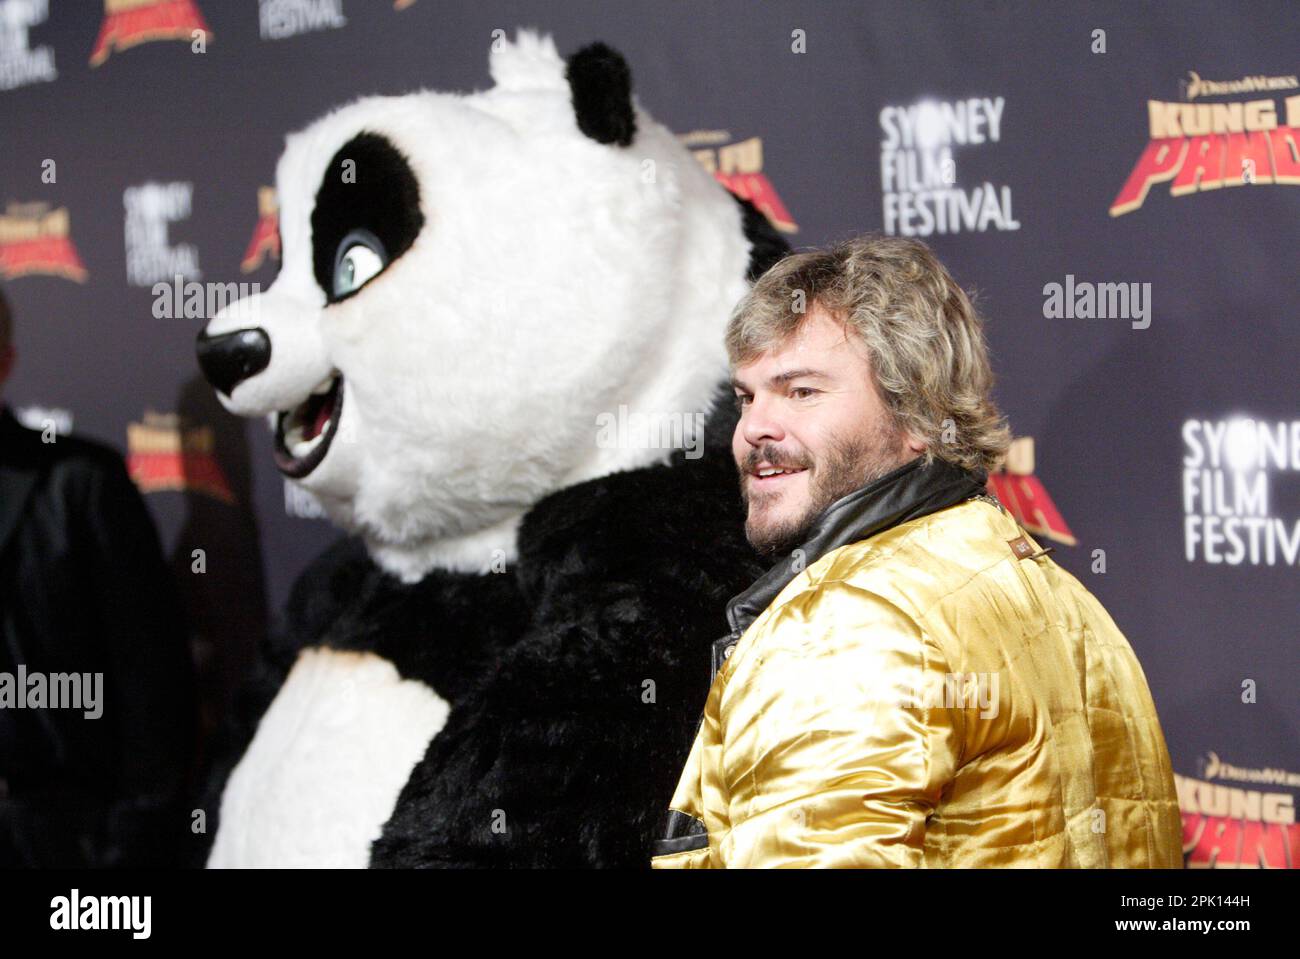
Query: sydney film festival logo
920, 173
20, 63
1230, 513
150, 255
281, 19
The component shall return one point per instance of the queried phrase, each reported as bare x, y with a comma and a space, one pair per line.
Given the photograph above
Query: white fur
556, 278
324, 771
531, 61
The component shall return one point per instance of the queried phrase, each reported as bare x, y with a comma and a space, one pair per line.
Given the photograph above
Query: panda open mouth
303, 434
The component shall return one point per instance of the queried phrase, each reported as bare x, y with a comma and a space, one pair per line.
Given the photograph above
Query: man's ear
915, 444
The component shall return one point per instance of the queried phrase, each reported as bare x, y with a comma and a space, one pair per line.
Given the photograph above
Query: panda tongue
319, 415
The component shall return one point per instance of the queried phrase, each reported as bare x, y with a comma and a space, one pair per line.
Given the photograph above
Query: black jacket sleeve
149, 689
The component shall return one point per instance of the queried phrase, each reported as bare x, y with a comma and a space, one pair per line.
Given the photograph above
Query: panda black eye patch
368, 187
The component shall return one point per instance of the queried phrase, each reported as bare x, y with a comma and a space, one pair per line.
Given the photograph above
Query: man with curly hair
914, 682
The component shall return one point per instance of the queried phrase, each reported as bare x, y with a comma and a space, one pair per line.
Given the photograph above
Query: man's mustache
776, 457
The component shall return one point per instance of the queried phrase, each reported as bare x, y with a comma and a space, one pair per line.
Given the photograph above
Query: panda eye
357, 265
360, 257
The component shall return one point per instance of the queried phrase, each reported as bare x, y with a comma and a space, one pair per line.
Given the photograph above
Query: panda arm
567, 753
313, 602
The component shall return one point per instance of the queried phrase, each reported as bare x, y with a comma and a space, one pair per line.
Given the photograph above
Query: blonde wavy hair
925, 341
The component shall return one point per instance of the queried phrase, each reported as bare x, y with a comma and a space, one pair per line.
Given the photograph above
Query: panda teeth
298, 445
305, 431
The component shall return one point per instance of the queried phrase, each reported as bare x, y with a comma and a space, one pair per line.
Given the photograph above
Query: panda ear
601, 84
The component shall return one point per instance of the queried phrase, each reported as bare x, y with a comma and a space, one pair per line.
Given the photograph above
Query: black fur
625, 578
619, 581
384, 198
601, 85
766, 244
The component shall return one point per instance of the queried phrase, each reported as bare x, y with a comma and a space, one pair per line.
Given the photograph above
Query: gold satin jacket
940, 694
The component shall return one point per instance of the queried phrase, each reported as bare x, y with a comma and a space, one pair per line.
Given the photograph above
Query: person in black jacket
86, 602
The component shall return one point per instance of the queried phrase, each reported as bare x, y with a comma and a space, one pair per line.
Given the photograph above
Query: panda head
469, 282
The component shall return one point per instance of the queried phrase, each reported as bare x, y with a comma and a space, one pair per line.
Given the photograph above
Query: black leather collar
911, 491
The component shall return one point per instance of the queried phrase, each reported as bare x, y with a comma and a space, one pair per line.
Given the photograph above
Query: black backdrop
791, 99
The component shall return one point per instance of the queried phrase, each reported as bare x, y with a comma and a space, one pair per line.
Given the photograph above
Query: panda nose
230, 358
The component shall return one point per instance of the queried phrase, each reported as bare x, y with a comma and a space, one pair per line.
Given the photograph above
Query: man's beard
848, 465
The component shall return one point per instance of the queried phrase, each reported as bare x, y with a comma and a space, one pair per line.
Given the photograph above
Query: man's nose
228, 359
758, 423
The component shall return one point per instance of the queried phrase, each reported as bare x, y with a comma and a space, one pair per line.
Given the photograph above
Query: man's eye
741, 399
807, 391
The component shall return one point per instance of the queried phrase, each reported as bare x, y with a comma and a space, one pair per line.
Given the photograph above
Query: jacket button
726, 653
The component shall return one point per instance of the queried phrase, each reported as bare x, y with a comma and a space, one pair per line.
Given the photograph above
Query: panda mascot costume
504, 664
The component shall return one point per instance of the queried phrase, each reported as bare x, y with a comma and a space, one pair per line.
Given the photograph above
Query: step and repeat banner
1118, 184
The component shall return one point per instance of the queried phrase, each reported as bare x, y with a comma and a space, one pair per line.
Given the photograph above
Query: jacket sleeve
837, 740
149, 683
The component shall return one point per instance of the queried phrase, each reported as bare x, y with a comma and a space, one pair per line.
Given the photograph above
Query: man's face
812, 429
